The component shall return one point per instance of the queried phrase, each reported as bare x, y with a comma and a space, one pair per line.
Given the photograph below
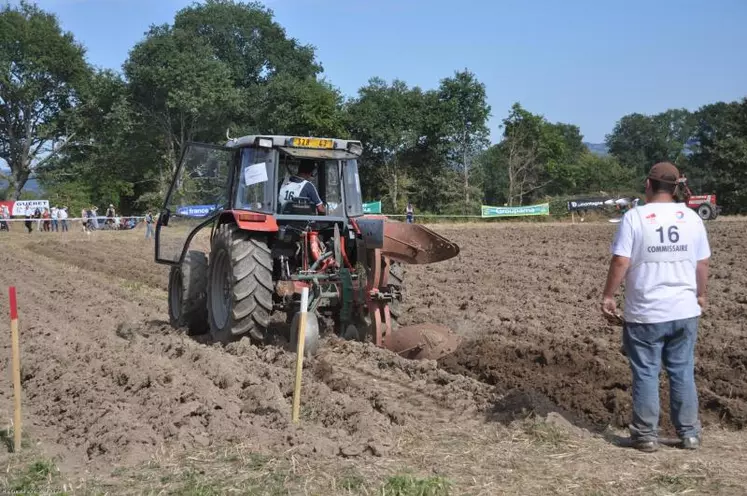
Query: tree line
95, 136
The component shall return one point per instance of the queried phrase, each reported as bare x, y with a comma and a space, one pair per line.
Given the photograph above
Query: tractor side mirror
164, 220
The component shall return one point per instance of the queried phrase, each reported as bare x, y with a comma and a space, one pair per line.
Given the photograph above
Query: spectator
148, 225
84, 219
29, 216
4, 216
94, 217
37, 216
46, 216
410, 213
54, 218
110, 215
62, 218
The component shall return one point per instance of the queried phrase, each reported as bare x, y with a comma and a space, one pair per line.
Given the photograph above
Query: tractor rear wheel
705, 211
239, 295
187, 296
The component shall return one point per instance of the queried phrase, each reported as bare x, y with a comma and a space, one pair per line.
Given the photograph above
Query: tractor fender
249, 221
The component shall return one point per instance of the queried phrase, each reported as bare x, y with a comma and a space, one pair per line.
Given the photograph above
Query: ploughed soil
107, 381
528, 299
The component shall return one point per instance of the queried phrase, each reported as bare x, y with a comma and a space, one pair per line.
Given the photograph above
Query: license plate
313, 143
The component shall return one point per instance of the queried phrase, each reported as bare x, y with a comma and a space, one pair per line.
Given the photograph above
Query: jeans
648, 346
63, 223
148, 230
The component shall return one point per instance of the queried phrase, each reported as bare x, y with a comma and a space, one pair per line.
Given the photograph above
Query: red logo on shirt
651, 218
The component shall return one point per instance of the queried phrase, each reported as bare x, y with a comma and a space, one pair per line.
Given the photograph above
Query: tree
254, 50
531, 148
719, 162
463, 103
111, 158
181, 89
290, 105
386, 118
42, 68
245, 37
639, 141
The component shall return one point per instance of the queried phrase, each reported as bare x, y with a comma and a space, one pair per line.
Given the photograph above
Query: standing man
148, 225
62, 217
661, 250
4, 216
54, 218
410, 213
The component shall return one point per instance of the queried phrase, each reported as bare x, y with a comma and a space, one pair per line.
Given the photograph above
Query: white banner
22, 206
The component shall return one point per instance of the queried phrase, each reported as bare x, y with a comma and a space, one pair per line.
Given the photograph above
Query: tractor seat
299, 206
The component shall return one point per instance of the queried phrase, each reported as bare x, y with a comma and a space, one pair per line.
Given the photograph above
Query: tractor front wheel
239, 293
705, 211
187, 298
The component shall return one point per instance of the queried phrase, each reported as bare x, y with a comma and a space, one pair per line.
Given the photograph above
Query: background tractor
263, 252
704, 205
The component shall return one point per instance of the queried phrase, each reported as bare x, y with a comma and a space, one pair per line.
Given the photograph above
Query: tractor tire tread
251, 267
193, 311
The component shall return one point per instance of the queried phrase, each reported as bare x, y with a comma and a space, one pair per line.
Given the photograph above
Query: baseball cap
664, 172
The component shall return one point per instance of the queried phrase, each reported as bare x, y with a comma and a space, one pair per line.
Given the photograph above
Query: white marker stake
299, 353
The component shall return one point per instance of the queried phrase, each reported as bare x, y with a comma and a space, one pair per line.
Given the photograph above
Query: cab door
199, 192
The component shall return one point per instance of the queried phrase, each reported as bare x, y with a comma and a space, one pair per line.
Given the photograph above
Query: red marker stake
16, 369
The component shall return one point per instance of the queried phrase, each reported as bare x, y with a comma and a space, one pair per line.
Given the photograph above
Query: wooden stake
301, 336
16, 369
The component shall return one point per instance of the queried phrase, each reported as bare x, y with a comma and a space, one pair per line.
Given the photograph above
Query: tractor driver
300, 186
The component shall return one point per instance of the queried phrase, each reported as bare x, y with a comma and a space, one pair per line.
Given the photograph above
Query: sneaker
645, 445
691, 443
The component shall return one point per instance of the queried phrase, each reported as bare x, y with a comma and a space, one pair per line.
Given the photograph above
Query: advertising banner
587, 204
19, 208
195, 210
372, 208
542, 209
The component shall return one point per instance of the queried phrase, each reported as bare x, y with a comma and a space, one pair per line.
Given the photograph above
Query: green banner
543, 209
372, 208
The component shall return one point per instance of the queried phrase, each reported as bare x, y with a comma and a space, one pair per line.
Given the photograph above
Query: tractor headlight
264, 142
355, 148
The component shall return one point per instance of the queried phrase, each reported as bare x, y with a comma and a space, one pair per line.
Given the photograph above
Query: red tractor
704, 205
264, 249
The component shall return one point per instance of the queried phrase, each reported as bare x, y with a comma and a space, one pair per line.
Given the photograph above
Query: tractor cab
245, 178
335, 177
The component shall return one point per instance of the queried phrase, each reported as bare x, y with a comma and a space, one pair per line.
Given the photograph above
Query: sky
577, 61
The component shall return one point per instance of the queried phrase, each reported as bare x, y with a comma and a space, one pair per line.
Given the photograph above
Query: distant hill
597, 148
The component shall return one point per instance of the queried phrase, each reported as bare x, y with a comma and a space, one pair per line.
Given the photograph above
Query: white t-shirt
664, 242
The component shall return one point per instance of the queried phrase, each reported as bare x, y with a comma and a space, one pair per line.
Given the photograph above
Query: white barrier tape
70, 219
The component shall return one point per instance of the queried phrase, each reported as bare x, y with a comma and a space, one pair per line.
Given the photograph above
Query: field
535, 400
